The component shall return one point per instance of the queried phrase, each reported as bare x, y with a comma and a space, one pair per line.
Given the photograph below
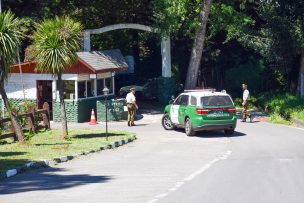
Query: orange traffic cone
93, 118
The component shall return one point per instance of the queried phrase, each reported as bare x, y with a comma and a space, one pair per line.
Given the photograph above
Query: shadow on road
142, 124
46, 179
217, 134
83, 136
3, 154
212, 134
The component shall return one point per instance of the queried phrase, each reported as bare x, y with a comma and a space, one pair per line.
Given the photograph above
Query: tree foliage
11, 36
56, 43
268, 30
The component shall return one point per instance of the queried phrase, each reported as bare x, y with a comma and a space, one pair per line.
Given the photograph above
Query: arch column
87, 41
166, 57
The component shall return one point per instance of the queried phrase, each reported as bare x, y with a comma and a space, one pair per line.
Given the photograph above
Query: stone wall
77, 111
15, 102
115, 109
71, 109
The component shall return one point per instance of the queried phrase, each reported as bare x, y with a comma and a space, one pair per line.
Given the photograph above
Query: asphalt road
262, 162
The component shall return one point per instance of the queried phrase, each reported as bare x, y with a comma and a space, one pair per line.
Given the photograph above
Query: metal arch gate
165, 42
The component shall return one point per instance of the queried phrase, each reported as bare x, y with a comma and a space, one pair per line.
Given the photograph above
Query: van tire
167, 123
188, 127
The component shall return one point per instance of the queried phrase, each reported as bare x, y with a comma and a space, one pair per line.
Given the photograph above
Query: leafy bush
276, 118
250, 73
238, 102
286, 105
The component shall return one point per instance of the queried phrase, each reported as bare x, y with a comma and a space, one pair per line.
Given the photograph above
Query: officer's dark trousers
131, 113
246, 114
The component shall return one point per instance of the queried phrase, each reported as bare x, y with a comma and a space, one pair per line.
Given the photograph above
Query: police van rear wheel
188, 127
166, 122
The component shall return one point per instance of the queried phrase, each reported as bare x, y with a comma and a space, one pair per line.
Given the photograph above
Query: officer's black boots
250, 118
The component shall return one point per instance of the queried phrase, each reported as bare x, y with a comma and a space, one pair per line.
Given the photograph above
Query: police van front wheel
188, 128
166, 122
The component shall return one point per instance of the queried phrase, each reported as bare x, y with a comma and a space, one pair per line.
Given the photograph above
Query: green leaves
55, 44
225, 17
10, 40
173, 15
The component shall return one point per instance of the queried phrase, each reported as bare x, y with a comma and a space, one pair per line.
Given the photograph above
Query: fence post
31, 110
46, 115
14, 132
31, 123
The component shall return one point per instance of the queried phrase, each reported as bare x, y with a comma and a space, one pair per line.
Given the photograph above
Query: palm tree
10, 42
55, 43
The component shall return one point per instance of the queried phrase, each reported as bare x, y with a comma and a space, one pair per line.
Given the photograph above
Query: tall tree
198, 46
279, 39
55, 45
10, 42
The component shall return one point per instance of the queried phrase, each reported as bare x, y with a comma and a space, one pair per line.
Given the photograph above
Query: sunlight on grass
276, 118
48, 145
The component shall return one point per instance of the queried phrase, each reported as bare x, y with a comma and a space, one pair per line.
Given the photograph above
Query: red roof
79, 67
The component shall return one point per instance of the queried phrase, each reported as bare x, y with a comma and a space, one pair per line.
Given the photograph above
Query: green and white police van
200, 110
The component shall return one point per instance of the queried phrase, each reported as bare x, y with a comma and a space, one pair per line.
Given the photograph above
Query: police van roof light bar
201, 90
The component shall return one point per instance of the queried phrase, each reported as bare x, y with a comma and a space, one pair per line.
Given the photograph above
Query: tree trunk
198, 46
62, 109
16, 125
301, 76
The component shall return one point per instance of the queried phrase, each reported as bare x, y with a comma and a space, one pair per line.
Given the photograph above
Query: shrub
284, 104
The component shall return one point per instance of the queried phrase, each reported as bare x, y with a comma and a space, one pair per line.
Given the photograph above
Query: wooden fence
31, 122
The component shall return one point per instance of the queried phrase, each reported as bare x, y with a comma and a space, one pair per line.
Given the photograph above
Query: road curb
298, 123
46, 163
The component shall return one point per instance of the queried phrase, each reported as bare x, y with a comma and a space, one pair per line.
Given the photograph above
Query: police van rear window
216, 101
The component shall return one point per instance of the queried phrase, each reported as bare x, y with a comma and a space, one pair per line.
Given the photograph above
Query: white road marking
161, 195
191, 176
152, 201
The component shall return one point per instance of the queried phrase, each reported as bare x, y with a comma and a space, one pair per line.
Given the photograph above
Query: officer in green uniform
246, 99
132, 106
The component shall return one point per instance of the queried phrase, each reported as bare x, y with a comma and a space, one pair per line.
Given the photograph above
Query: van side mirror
172, 100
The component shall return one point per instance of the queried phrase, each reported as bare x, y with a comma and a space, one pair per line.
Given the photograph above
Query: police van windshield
216, 101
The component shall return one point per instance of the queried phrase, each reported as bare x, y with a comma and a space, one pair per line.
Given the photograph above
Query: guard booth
83, 84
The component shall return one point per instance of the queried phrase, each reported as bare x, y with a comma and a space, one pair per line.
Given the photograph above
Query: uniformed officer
246, 99
132, 106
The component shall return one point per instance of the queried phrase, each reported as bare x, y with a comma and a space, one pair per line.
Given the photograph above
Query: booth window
109, 84
100, 86
68, 89
81, 89
90, 88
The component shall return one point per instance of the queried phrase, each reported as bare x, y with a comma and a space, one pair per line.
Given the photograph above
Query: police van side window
184, 100
193, 101
177, 101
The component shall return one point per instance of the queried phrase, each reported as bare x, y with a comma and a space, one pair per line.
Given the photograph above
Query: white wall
14, 88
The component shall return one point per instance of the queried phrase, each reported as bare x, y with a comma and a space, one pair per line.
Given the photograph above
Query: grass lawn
48, 145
